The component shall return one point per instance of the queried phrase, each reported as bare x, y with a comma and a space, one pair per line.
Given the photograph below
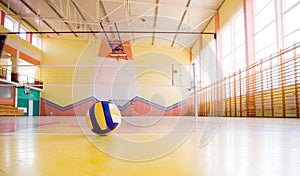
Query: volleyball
103, 118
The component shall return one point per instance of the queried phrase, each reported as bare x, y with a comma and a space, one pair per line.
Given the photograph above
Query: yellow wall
86, 67
195, 49
59, 60
228, 9
179, 54
80, 56
156, 79
61, 51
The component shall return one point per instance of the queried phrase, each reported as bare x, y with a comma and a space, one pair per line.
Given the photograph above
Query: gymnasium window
36, 41
9, 23
233, 45
276, 26
227, 62
266, 40
265, 28
239, 41
291, 31
12, 25
233, 51
23, 34
207, 53
26, 71
291, 25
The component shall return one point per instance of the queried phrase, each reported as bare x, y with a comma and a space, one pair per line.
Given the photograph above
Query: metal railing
3, 72
268, 88
22, 78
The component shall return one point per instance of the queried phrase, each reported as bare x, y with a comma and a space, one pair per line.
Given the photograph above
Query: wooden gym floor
43, 146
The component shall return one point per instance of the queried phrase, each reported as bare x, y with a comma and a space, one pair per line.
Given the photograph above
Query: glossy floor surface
142, 146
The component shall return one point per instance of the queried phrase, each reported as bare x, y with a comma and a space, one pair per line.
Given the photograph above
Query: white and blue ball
103, 117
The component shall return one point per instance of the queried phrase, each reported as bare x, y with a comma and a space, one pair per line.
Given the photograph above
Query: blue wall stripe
126, 105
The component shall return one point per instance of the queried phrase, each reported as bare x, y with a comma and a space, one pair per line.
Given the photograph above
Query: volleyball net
137, 89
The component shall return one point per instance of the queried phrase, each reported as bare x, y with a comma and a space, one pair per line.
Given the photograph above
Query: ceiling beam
213, 18
60, 16
132, 20
170, 5
35, 13
81, 15
105, 17
11, 12
181, 21
155, 20
203, 21
128, 18
111, 12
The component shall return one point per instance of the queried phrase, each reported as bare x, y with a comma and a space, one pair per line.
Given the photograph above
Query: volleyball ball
103, 118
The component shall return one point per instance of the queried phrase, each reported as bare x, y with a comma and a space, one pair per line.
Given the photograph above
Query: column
250, 57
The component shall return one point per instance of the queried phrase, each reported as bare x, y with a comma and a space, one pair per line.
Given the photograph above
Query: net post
195, 91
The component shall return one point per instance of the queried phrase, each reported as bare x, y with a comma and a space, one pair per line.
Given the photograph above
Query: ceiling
134, 19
